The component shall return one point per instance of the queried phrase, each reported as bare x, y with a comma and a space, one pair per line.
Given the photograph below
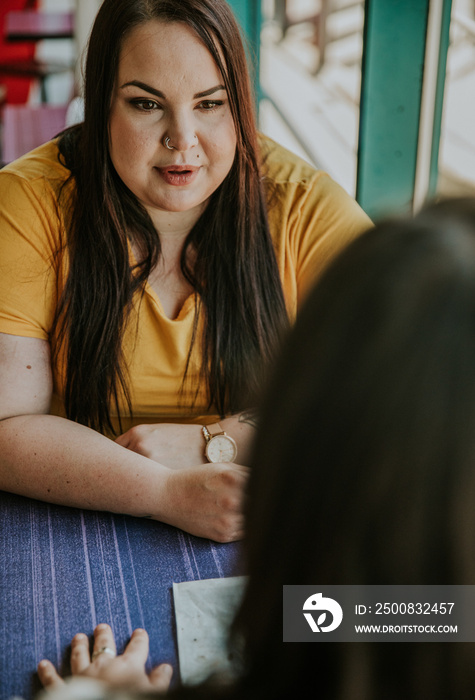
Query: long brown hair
363, 470
235, 274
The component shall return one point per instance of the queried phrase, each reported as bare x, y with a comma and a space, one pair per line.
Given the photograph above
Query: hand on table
176, 445
206, 501
124, 671
201, 498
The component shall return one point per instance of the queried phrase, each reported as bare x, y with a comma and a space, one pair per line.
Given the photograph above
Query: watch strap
215, 429
211, 431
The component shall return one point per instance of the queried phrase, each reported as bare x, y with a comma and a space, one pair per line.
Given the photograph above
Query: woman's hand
206, 501
176, 445
124, 671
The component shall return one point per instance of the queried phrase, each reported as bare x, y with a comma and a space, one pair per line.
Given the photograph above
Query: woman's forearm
181, 445
241, 427
56, 460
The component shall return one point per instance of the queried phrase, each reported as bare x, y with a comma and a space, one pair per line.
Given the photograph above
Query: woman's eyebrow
209, 92
157, 93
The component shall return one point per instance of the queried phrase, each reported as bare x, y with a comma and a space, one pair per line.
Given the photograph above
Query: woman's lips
179, 175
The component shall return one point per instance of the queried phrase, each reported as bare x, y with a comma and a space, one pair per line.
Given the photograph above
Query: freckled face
168, 85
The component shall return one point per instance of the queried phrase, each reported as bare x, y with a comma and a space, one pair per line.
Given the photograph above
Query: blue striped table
63, 571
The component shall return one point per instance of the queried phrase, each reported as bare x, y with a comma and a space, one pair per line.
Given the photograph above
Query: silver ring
167, 141
102, 650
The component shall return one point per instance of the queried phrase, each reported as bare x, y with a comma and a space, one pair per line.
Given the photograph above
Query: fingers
138, 645
226, 534
239, 532
134, 440
206, 501
240, 468
160, 677
80, 658
128, 668
130, 438
104, 643
48, 676
124, 439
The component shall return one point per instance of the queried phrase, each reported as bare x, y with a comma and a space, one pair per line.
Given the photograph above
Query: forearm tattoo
250, 417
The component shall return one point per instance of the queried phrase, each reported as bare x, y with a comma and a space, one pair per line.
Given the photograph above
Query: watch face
221, 448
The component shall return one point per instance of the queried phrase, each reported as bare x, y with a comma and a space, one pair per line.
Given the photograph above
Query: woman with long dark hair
150, 258
363, 471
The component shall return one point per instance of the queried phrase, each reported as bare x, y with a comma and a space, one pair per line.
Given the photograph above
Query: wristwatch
219, 446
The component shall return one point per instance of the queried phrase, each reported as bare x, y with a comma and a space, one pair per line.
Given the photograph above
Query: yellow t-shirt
311, 219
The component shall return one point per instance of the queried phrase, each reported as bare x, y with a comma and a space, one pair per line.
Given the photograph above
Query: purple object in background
26, 127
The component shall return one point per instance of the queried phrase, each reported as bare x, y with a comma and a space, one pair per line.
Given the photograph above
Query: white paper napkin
204, 611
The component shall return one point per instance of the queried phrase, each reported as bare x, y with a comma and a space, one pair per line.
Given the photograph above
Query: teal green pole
392, 70
394, 52
439, 102
248, 13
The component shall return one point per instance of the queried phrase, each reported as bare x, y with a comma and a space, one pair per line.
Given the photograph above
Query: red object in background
17, 87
